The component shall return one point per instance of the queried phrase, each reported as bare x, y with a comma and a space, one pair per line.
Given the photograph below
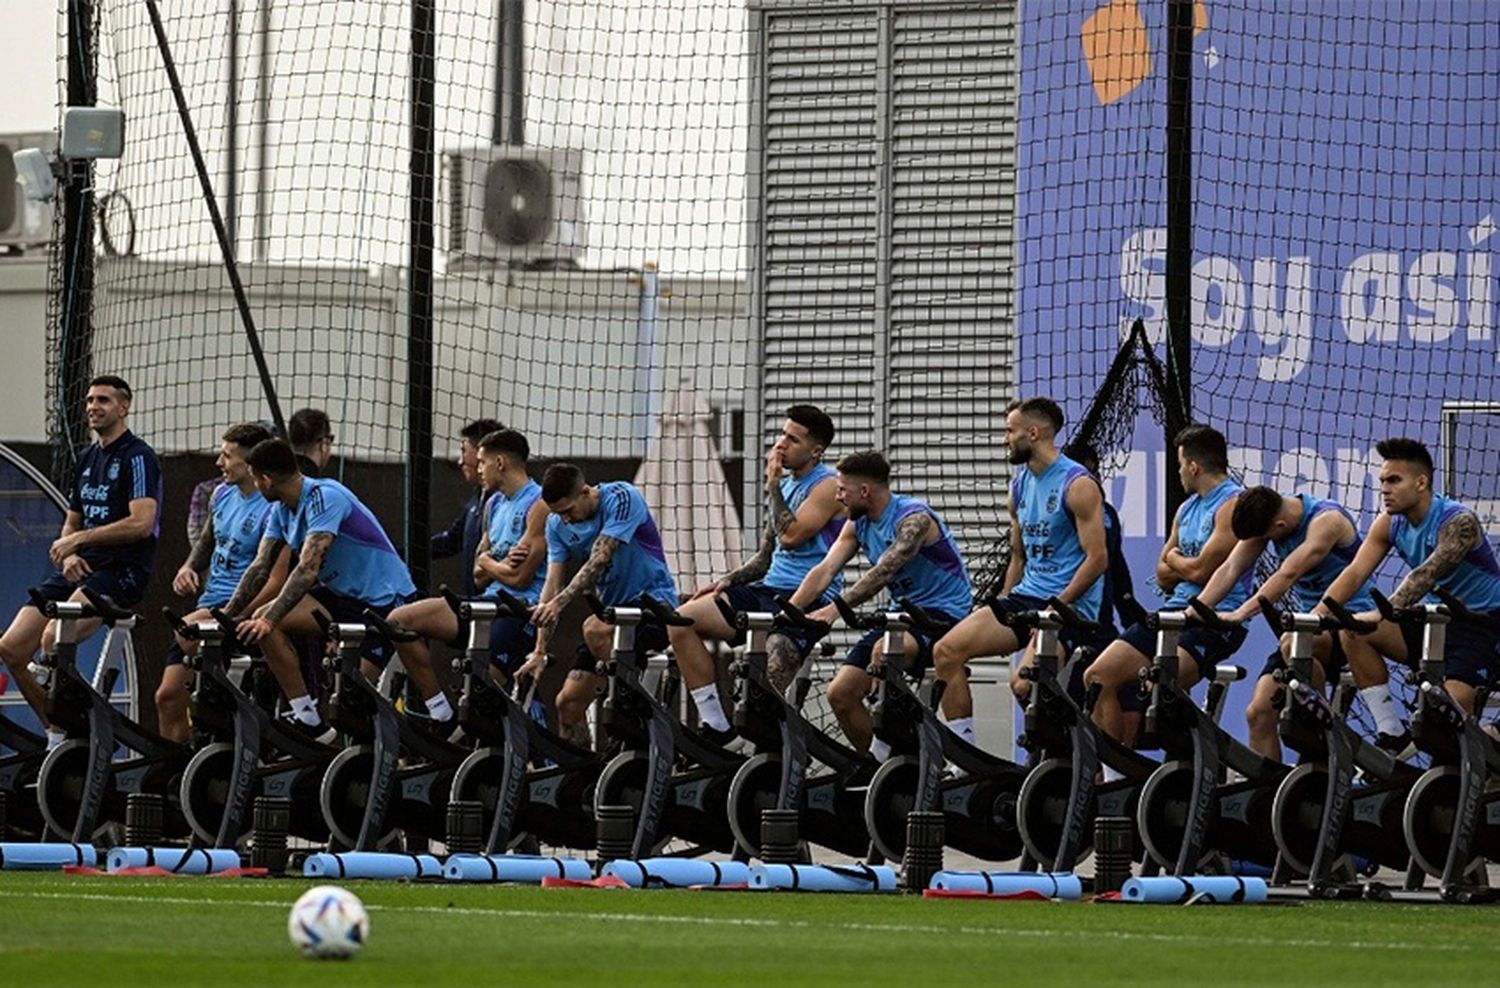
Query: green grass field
65, 930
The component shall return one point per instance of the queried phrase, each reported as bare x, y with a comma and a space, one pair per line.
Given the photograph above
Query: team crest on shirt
114, 470
1052, 502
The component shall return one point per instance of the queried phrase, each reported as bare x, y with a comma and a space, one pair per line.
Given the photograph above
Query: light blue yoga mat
46, 857
1054, 885
181, 860
371, 864
1209, 888
677, 872
824, 878
526, 868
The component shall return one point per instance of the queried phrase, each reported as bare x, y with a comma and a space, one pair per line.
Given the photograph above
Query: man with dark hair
1119, 585
1443, 543
804, 519
311, 435
108, 538
912, 555
461, 537
610, 530
345, 565
509, 556
225, 547
1201, 539
1058, 549
1314, 540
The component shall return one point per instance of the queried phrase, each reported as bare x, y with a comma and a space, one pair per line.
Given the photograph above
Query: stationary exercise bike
677, 781
978, 801
250, 752
781, 775
80, 784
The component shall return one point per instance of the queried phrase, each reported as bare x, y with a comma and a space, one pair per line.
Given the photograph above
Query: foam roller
179, 860
1213, 888
1054, 885
824, 878
676, 872
526, 868
371, 864
46, 857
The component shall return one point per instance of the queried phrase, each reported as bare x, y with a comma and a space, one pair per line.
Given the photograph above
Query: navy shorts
1468, 649
1072, 639
350, 610
125, 585
1333, 668
859, 656
1207, 646
511, 641
650, 637
749, 597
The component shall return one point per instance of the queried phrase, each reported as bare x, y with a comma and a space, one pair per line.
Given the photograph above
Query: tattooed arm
550, 609
303, 578
1459, 536
912, 532
187, 582
255, 577
755, 567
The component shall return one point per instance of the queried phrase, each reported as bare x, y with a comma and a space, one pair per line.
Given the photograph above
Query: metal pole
232, 131
262, 128
76, 321
419, 292
231, 268
509, 107
1179, 267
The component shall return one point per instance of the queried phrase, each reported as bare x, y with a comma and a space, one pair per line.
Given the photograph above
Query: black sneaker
716, 736
320, 732
1395, 744
430, 727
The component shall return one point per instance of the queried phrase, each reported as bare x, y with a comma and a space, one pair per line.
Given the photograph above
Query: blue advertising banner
1346, 176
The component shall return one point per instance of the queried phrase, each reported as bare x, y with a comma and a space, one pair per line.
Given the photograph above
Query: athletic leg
434, 620
17, 647
694, 662
981, 633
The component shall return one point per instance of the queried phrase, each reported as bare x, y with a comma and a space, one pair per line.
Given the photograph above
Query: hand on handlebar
827, 614
532, 669
252, 631
545, 614
709, 590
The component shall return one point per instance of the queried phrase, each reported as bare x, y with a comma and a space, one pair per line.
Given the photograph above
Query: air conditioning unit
23, 223
515, 205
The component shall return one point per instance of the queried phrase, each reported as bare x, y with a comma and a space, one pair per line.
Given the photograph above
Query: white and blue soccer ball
328, 923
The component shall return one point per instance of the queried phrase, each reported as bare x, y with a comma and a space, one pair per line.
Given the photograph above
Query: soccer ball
328, 922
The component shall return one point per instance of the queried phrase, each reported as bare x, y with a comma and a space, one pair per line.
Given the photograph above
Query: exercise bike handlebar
504, 601
1070, 618
914, 615
1399, 615
792, 616
1344, 619
1207, 616
666, 615
1285, 621
385, 629
1461, 611
96, 605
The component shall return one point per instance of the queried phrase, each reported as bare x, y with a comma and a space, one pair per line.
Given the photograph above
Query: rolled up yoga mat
180, 860
1054, 885
824, 878
526, 868
676, 872
1212, 888
46, 857
371, 864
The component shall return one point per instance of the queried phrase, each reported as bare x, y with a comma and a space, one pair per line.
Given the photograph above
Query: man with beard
1057, 549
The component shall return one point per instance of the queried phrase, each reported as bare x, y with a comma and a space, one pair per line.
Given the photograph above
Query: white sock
1382, 708
706, 699
963, 727
1110, 775
438, 707
55, 738
879, 750
305, 710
